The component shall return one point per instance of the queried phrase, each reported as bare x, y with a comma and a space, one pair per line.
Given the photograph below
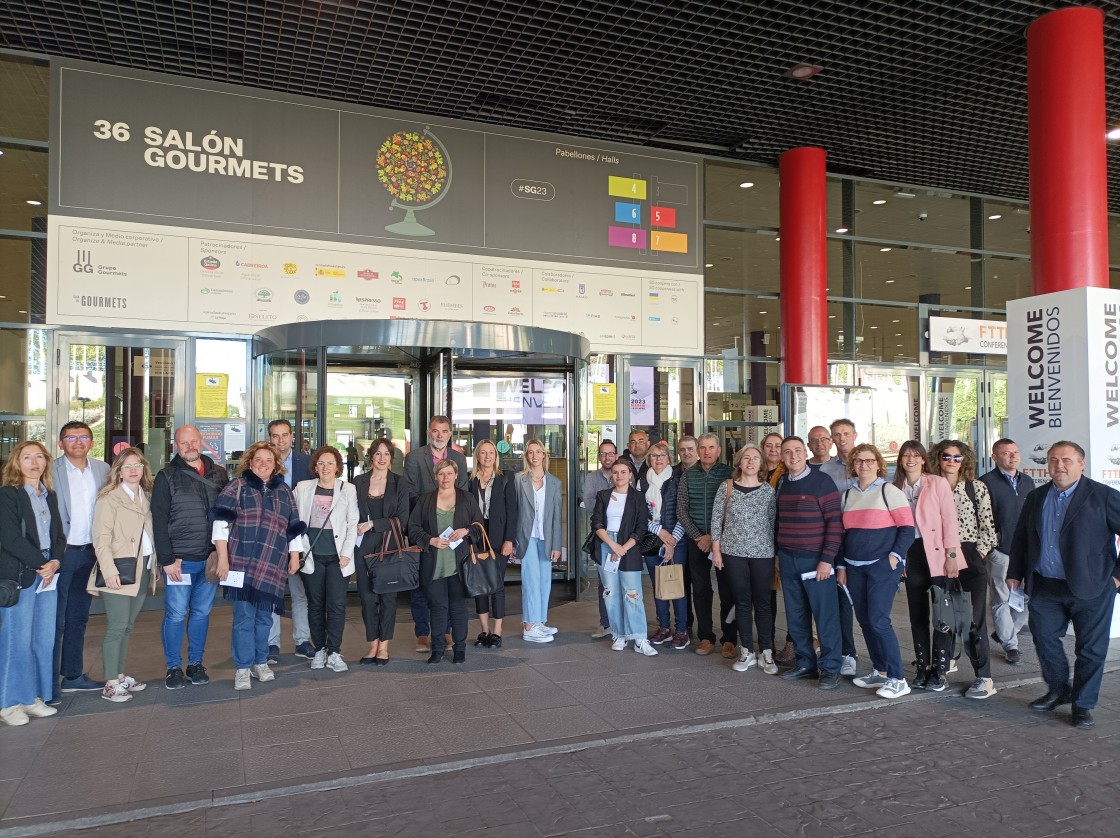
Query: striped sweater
877, 522
808, 519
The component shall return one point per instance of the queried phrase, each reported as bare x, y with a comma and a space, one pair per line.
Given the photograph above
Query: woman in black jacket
452, 511
31, 554
382, 500
497, 499
620, 519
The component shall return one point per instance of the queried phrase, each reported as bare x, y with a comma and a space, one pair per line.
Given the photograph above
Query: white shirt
615, 507
538, 513
145, 542
83, 493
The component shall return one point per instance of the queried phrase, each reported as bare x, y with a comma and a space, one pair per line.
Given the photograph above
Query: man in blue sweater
809, 532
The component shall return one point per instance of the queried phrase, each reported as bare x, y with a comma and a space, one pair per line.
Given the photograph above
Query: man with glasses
297, 467
1064, 555
77, 480
185, 491
593, 483
820, 443
1008, 489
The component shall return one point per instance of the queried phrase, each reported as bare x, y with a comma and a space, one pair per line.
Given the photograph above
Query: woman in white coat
539, 539
329, 507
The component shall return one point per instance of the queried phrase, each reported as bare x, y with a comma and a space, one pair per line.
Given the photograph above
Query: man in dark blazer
1064, 555
419, 474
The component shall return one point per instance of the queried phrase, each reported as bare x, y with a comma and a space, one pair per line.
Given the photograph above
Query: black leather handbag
395, 567
482, 572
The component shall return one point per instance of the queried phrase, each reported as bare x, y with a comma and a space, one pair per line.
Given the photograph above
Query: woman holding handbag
932, 558
743, 546
439, 520
659, 485
955, 461
258, 535
495, 494
124, 545
539, 539
382, 498
32, 545
620, 521
328, 505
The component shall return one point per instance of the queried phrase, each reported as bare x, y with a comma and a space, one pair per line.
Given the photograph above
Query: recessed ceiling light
832, 317
995, 217
898, 345
715, 322
746, 184
762, 312
709, 264
777, 238
1, 152
890, 282
21, 311
3, 296
1114, 134
873, 327
898, 334
884, 250
896, 321
801, 72
879, 202
35, 203
841, 229
968, 288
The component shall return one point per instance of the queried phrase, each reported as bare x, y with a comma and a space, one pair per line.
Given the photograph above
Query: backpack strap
970, 490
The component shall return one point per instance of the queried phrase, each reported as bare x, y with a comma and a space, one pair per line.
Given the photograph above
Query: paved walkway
565, 737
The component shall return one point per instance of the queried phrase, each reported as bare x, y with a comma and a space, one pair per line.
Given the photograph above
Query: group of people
838, 535
833, 533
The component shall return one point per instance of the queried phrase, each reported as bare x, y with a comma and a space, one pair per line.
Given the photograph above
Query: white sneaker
131, 684
14, 716
115, 692
39, 710
536, 635
320, 659
848, 665
262, 672
894, 688
872, 680
766, 662
335, 663
746, 660
549, 629
241, 680
618, 645
602, 631
644, 647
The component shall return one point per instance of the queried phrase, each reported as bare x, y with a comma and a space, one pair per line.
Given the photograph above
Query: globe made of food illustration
415, 168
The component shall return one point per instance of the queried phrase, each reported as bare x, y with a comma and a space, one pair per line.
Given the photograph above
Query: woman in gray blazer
538, 540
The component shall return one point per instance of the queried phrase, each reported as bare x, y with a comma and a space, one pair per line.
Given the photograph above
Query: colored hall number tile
663, 216
626, 237
625, 213
626, 187
669, 242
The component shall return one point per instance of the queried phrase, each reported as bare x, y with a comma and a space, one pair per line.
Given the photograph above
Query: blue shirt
42, 515
1013, 479
1054, 507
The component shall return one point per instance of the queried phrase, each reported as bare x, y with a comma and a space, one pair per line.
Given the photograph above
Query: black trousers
448, 598
752, 582
495, 603
326, 604
974, 579
700, 572
379, 611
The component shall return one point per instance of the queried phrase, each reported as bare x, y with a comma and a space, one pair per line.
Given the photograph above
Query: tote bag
395, 567
482, 572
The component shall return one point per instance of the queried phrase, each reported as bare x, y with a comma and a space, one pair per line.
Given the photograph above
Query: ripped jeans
622, 594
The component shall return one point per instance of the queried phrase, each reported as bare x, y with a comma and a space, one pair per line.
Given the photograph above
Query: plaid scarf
262, 520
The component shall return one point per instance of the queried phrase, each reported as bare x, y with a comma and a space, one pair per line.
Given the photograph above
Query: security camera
922, 216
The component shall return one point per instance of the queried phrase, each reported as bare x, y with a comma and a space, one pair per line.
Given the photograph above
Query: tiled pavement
560, 738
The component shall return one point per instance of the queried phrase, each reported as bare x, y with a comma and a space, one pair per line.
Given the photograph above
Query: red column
1068, 177
804, 266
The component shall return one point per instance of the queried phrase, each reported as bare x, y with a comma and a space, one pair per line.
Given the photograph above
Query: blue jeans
1052, 607
27, 648
72, 612
622, 592
536, 583
808, 600
249, 642
873, 588
198, 597
680, 606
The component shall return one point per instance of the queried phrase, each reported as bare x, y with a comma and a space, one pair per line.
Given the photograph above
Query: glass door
130, 392
362, 406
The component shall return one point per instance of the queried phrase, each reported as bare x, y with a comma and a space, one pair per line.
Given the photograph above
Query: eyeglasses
951, 458
867, 462
752, 459
133, 467
827, 439
77, 439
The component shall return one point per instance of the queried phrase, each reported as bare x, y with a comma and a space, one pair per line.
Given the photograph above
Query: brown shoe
786, 654
729, 651
423, 644
447, 641
705, 647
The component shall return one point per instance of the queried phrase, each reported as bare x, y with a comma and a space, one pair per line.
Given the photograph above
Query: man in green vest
695, 497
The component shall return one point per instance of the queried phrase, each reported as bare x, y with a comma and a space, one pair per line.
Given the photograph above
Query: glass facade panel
726, 198
881, 333
913, 274
289, 389
1005, 279
16, 257
23, 178
1007, 227
741, 324
1114, 240
741, 259
26, 96
911, 214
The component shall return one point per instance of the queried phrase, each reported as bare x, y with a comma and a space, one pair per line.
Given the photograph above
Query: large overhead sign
180, 203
